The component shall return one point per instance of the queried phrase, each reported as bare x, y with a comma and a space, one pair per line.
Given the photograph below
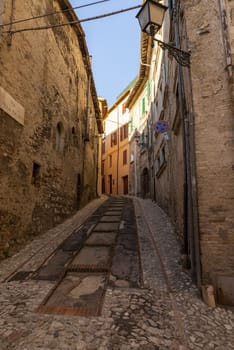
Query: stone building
210, 34
191, 166
49, 119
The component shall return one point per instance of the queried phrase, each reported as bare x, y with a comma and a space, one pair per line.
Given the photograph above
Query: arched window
74, 137
60, 137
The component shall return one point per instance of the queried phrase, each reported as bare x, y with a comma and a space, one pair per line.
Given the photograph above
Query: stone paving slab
102, 238
37, 251
78, 290
92, 255
107, 227
166, 313
113, 212
110, 219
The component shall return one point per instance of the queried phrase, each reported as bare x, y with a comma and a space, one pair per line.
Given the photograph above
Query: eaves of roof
118, 101
146, 55
123, 95
71, 16
127, 89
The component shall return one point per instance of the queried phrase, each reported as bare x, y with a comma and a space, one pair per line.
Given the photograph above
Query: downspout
190, 196
186, 214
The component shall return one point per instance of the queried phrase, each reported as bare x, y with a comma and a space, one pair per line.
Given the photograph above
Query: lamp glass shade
151, 14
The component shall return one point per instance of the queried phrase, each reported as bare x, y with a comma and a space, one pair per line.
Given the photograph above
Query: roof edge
146, 55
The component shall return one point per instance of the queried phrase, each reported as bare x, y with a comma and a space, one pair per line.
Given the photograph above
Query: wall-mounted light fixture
150, 18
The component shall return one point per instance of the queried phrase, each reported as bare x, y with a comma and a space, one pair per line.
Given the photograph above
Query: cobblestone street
165, 312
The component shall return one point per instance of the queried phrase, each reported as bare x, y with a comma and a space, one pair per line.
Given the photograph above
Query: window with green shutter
143, 106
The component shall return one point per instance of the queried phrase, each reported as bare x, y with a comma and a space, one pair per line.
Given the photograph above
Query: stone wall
44, 82
214, 133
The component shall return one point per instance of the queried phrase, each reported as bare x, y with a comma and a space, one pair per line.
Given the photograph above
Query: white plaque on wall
10, 106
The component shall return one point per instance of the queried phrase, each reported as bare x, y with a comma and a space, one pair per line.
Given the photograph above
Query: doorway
78, 191
110, 184
145, 182
125, 185
103, 185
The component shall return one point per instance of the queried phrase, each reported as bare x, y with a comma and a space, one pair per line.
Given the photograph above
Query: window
36, 173
143, 106
123, 132
103, 167
74, 138
131, 124
170, 5
60, 138
161, 161
110, 161
114, 139
144, 139
103, 147
124, 157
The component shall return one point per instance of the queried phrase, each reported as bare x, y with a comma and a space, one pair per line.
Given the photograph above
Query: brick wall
214, 136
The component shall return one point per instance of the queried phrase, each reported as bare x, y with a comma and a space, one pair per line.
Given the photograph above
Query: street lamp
150, 18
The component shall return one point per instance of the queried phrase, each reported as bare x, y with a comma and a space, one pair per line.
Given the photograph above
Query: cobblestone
165, 313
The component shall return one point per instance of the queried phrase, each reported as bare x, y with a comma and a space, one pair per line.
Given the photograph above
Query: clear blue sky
114, 43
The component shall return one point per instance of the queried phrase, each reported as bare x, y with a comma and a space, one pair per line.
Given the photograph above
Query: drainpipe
190, 190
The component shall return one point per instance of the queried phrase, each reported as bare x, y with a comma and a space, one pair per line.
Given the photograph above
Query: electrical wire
72, 22
51, 13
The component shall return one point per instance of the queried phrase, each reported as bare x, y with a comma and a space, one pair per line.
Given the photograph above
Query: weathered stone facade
210, 38
49, 116
192, 166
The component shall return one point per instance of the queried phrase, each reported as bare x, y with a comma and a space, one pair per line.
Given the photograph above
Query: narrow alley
108, 278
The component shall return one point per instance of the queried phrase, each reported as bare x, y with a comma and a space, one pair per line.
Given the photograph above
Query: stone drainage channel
103, 253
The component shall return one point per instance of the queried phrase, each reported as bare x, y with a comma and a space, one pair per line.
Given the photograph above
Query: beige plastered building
115, 147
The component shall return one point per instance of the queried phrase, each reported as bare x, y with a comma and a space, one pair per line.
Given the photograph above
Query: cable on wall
71, 22
51, 14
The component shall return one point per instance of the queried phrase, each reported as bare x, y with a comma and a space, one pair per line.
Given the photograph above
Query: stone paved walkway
165, 313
